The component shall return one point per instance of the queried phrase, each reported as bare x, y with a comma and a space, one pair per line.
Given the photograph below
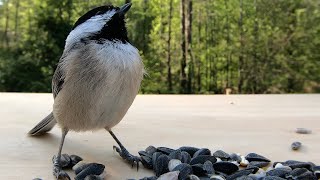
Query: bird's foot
58, 172
123, 152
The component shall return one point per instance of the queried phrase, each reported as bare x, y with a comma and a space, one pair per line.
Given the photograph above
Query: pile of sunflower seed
84, 170
193, 163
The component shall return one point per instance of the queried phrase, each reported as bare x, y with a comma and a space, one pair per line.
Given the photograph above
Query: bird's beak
124, 9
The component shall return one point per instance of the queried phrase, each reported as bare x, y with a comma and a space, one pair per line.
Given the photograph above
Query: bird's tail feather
43, 126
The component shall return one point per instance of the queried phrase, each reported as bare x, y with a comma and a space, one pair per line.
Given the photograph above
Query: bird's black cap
114, 29
94, 12
101, 10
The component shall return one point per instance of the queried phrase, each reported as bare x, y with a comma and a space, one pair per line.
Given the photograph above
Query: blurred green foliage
249, 46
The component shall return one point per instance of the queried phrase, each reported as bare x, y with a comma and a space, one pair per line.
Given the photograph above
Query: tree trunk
228, 55
213, 58
144, 29
241, 58
29, 18
255, 58
212, 38
16, 20
183, 76
207, 61
169, 76
198, 56
6, 29
189, 46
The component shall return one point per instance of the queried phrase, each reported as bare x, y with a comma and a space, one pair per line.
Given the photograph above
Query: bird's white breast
101, 83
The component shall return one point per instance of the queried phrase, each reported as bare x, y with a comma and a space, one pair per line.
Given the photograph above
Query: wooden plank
263, 124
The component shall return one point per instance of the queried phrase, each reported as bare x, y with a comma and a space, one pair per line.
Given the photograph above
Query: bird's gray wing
49, 122
59, 75
57, 80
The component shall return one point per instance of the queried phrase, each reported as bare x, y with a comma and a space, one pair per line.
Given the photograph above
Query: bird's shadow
49, 140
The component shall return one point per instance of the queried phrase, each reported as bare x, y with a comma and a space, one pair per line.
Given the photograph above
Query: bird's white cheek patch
86, 29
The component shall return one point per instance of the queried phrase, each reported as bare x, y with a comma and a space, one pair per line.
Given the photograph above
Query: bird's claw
127, 156
59, 173
62, 175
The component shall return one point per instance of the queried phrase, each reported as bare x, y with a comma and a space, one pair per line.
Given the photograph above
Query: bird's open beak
124, 9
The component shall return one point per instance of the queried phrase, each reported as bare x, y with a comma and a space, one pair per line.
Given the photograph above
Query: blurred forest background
188, 46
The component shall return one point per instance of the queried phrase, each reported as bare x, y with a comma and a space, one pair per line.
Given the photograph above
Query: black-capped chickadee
96, 80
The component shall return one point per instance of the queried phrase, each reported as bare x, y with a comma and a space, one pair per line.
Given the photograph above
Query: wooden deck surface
263, 124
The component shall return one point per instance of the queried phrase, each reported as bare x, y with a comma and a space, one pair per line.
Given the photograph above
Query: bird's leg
123, 152
57, 169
